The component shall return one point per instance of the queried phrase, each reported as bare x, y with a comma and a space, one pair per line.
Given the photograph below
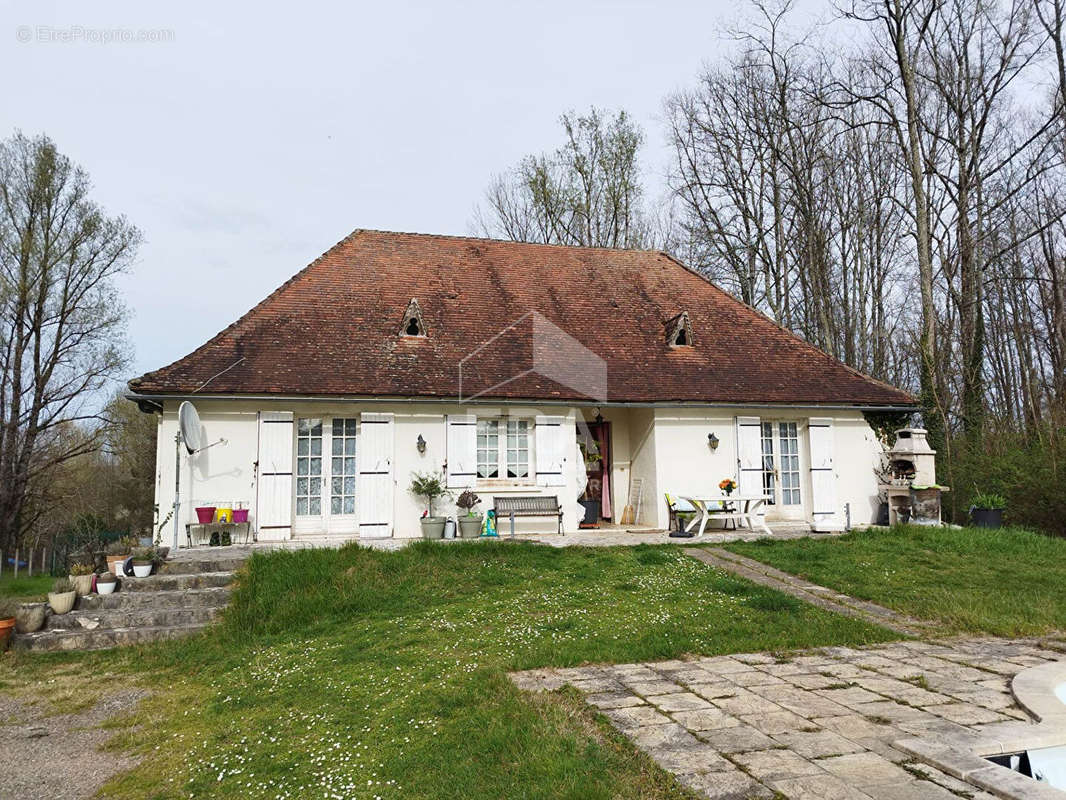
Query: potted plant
469, 523
29, 617
81, 575
106, 583
142, 562
727, 485
8, 609
430, 485
117, 553
62, 596
987, 510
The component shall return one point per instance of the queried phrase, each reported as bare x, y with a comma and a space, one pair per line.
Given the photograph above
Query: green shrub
991, 501
62, 586
429, 485
1027, 472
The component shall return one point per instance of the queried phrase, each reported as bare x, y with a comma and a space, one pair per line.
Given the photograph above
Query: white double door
326, 475
780, 449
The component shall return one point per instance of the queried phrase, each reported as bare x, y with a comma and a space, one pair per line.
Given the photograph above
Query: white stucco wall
225, 473
685, 463
666, 447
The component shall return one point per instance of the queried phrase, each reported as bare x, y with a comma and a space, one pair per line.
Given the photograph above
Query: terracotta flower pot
29, 617
61, 603
7, 627
114, 564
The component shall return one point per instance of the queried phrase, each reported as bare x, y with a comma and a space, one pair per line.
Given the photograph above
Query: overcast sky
253, 137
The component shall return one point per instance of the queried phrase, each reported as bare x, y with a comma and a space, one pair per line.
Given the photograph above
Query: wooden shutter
462, 450
374, 484
824, 512
749, 456
273, 500
550, 451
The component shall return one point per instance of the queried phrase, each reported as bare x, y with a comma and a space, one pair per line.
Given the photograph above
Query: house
515, 369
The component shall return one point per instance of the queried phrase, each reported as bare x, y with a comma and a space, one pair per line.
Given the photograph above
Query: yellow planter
224, 515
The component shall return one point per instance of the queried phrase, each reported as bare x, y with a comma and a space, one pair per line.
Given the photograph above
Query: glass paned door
769, 465
326, 485
309, 468
342, 473
781, 467
789, 464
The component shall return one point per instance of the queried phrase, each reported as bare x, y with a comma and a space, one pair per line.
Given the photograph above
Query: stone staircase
183, 597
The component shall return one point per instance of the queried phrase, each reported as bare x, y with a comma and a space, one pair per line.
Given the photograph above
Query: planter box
592, 511
433, 527
987, 517
470, 527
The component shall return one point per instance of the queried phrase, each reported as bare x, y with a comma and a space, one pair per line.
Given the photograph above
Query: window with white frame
325, 486
504, 449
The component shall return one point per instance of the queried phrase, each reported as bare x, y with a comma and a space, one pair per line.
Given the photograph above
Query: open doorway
595, 446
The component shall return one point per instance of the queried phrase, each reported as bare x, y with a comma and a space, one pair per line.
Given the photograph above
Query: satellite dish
189, 425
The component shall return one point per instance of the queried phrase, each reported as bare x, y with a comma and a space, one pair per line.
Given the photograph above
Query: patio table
742, 509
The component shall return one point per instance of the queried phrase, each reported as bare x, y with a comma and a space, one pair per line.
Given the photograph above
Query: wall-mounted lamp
712, 440
421, 444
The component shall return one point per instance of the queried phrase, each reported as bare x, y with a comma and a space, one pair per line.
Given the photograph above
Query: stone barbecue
909, 479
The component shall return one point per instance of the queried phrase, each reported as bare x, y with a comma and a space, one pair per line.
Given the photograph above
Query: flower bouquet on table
727, 485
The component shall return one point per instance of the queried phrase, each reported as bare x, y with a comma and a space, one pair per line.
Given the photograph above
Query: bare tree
61, 319
588, 192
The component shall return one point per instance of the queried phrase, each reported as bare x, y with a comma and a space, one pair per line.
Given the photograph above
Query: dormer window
679, 331
412, 324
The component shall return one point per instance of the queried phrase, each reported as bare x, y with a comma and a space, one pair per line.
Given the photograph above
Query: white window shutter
374, 484
824, 511
749, 456
462, 451
273, 500
550, 451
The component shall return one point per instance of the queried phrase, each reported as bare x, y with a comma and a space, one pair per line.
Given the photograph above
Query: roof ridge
493, 239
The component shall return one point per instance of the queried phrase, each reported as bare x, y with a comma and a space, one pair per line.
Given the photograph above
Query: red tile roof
333, 329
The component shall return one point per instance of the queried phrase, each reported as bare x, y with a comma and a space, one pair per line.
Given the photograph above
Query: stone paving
818, 724
621, 536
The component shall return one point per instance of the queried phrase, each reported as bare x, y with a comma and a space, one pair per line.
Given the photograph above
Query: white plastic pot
142, 570
106, 588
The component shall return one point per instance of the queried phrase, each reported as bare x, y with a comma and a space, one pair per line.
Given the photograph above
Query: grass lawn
23, 588
356, 673
1006, 582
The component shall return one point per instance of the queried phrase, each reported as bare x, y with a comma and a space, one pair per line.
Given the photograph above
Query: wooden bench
535, 506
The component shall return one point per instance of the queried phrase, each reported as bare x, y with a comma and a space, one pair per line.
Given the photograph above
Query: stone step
168, 582
147, 617
164, 598
100, 639
193, 566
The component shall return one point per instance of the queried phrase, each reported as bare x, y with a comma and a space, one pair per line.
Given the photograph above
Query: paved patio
821, 724
612, 536
606, 536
